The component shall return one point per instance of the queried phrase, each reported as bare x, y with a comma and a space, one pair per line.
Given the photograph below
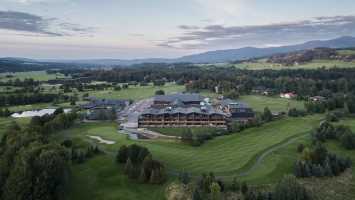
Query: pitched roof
95, 102
183, 110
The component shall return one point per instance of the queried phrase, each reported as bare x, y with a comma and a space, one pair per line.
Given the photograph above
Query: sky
131, 29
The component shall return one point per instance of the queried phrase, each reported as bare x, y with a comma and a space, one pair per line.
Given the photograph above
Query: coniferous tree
215, 191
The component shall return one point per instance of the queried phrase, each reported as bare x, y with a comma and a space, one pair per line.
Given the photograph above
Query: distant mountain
222, 55
252, 52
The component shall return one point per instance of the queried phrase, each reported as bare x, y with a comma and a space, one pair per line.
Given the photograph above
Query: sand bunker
102, 141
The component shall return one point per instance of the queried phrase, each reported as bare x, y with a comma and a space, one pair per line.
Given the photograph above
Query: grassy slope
221, 155
101, 179
335, 147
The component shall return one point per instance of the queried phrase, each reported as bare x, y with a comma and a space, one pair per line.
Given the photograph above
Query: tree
215, 191
187, 136
244, 188
267, 115
232, 94
160, 92
348, 140
235, 186
128, 167
300, 148
122, 154
196, 195
289, 189
184, 178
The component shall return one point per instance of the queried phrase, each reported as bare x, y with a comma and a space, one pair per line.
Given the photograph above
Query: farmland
35, 75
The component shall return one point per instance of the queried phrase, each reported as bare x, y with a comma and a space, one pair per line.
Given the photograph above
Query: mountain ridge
217, 56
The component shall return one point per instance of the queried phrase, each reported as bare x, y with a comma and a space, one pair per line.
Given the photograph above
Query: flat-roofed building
237, 110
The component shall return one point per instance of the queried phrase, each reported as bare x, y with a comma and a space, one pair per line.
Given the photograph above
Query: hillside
304, 59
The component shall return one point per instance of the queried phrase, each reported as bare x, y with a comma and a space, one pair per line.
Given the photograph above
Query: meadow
35, 75
137, 92
275, 104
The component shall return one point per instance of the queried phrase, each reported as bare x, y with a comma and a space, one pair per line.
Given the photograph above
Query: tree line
209, 187
139, 164
31, 166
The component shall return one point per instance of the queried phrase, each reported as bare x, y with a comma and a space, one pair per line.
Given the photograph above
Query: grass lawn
101, 179
137, 92
35, 75
275, 104
180, 131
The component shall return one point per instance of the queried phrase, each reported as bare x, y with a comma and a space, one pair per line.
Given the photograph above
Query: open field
259, 102
35, 75
262, 64
137, 92
275, 104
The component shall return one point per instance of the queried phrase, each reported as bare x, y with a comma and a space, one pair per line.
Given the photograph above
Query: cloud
30, 23
222, 8
34, 1
219, 36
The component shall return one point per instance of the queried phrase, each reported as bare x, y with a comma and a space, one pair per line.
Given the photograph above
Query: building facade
182, 110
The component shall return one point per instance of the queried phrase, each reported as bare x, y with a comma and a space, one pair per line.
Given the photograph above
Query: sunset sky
126, 29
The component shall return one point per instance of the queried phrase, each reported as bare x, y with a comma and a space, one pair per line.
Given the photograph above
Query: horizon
168, 58
75, 30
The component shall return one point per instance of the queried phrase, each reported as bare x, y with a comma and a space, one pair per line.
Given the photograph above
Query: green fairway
180, 131
35, 75
137, 92
223, 155
275, 104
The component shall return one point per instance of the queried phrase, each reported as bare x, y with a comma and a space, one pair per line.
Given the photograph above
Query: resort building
182, 110
186, 99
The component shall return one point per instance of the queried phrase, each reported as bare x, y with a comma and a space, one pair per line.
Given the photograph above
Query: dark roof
95, 102
234, 104
183, 110
183, 97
